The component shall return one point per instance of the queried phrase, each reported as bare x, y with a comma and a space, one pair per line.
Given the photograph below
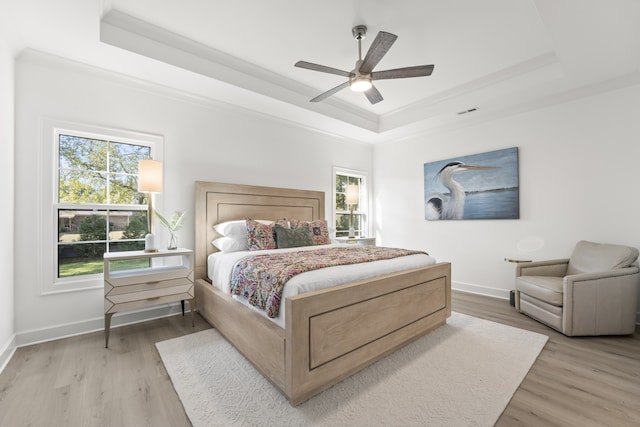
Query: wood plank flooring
580, 381
77, 382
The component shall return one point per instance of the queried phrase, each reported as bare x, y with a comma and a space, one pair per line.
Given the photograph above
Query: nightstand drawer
134, 304
110, 289
150, 294
155, 275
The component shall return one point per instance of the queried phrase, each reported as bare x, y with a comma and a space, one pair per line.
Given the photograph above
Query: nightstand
363, 241
163, 281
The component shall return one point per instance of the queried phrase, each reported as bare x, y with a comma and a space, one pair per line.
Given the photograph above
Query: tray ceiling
494, 57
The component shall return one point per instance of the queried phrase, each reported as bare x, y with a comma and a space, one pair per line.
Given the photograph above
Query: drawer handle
152, 298
153, 283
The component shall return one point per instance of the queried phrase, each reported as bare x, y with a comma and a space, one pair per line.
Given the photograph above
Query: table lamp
351, 198
150, 182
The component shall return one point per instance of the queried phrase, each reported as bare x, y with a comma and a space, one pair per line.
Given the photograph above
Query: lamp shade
150, 176
352, 194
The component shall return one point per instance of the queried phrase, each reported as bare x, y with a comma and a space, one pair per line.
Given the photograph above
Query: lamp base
150, 243
352, 233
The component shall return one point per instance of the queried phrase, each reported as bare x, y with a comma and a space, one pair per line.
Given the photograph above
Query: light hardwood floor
77, 382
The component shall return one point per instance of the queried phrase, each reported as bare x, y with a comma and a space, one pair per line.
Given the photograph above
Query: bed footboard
258, 339
335, 332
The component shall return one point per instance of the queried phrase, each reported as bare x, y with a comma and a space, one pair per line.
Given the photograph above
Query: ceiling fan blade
373, 95
322, 68
401, 73
329, 92
381, 44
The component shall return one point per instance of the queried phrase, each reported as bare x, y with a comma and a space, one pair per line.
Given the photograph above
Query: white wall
579, 179
202, 141
7, 197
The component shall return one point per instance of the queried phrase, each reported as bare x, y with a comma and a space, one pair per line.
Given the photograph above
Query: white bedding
220, 266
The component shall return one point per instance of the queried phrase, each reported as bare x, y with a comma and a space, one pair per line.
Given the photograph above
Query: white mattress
220, 266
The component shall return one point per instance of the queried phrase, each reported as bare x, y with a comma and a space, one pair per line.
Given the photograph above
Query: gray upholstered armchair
595, 292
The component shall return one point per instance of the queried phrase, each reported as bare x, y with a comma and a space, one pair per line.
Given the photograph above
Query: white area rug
462, 374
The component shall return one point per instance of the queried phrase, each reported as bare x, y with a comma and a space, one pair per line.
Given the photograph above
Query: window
342, 210
97, 206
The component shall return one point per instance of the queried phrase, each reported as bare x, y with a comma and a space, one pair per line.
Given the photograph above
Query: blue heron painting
478, 186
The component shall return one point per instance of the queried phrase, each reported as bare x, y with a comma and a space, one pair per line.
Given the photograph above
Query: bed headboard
219, 202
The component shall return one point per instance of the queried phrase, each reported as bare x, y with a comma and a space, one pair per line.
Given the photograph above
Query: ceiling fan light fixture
360, 84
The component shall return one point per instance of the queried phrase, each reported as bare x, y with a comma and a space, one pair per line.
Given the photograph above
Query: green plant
136, 228
174, 224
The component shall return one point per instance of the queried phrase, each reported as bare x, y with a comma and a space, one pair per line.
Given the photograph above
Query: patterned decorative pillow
284, 222
287, 222
261, 236
292, 237
236, 229
318, 229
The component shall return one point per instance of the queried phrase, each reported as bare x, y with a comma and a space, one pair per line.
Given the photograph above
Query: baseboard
97, 324
7, 352
480, 290
127, 318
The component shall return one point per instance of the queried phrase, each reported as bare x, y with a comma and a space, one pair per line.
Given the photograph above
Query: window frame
52, 129
364, 206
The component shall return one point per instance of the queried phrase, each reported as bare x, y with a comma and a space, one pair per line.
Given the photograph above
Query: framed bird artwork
477, 186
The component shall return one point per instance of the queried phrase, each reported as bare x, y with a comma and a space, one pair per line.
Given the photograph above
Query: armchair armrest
554, 267
601, 275
601, 303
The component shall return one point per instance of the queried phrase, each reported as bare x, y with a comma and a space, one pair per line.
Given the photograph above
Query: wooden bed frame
329, 334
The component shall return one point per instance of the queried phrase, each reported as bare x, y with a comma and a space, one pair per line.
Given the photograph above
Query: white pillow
232, 228
230, 244
236, 229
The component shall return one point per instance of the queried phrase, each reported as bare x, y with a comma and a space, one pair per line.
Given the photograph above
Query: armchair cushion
589, 257
545, 288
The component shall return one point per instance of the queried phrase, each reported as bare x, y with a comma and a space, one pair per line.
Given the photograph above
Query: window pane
93, 225
340, 204
127, 225
81, 225
341, 183
124, 158
132, 245
356, 223
342, 222
124, 190
82, 187
68, 226
83, 154
80, 259
342, 225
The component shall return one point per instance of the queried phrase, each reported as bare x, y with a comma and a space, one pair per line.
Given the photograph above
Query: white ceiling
500, 56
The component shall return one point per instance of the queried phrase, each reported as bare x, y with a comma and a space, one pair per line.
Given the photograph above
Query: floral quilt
261, 278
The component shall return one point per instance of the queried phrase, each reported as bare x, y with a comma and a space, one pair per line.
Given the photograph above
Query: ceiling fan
362, 76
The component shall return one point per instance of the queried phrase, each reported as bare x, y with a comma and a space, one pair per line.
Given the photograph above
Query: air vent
470, 110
